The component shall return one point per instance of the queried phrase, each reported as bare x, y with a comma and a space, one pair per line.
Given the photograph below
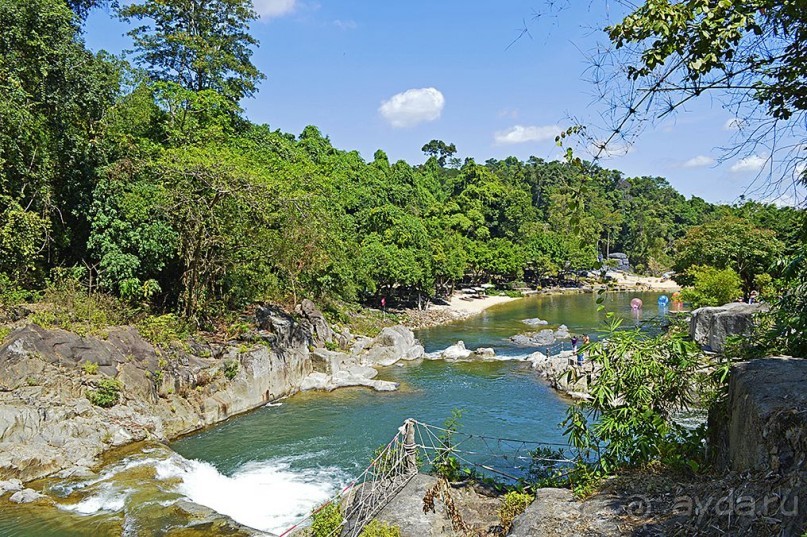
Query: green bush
67, 304
376, 528
91, 368
711, 286
162, 330
230, 369
107, 394
513, 505
763, 283
11, 293
644, 380
326, 521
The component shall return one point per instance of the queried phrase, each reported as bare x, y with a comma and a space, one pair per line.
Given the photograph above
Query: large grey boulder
711, 326
457, 352
281, 329
485, 352
765, 422
320, 330
622, 261
391, 345
356, 375
26, 496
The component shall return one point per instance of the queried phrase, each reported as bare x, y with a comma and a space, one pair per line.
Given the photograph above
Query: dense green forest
146, 181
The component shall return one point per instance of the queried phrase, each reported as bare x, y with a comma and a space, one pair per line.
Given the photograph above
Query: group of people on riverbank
580, 350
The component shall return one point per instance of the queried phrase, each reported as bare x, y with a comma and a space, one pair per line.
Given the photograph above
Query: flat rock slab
555, 512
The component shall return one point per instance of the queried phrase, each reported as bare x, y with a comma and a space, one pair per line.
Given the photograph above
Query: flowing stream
268, 468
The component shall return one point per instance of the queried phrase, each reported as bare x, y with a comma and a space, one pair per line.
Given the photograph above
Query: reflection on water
270, 466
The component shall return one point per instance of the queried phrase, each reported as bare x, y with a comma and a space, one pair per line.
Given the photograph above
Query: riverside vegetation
141, 194
149, 185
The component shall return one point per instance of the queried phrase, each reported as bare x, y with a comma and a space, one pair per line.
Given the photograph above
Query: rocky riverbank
48, 423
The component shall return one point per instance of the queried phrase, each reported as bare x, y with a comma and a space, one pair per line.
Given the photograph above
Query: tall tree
439, 150
730, 242
199, 44
54, 94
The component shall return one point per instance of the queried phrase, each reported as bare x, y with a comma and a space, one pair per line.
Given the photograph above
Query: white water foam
267, 496
270, 405
107, 500
435, 355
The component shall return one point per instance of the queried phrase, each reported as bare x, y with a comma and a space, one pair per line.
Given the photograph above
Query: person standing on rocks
574, 344
581, 356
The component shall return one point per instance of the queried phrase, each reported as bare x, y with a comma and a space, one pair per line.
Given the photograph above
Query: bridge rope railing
417, 444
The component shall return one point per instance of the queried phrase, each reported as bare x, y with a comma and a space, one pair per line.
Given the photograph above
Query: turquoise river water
268, 468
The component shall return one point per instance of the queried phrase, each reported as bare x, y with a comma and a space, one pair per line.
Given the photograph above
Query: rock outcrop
407, 510
12, 485
711, 326
334, 370
485, 352
320, 330
393, 344
765, 426
48, 424
541, 338
563, 374
27, 496
457, 352
621, 261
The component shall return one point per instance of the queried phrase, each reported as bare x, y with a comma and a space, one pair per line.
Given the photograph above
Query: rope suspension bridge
417, 444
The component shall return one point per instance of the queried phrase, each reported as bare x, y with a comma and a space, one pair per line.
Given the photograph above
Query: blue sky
394, 75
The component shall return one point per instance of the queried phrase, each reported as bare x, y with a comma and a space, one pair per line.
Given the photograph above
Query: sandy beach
467, 307
459, 306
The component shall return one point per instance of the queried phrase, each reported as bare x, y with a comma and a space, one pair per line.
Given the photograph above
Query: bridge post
410, 448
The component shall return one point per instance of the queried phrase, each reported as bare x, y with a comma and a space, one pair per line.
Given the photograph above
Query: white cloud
412, 106
345, 24
520, 134
733, 124
752, 163
267, 9
700, 161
